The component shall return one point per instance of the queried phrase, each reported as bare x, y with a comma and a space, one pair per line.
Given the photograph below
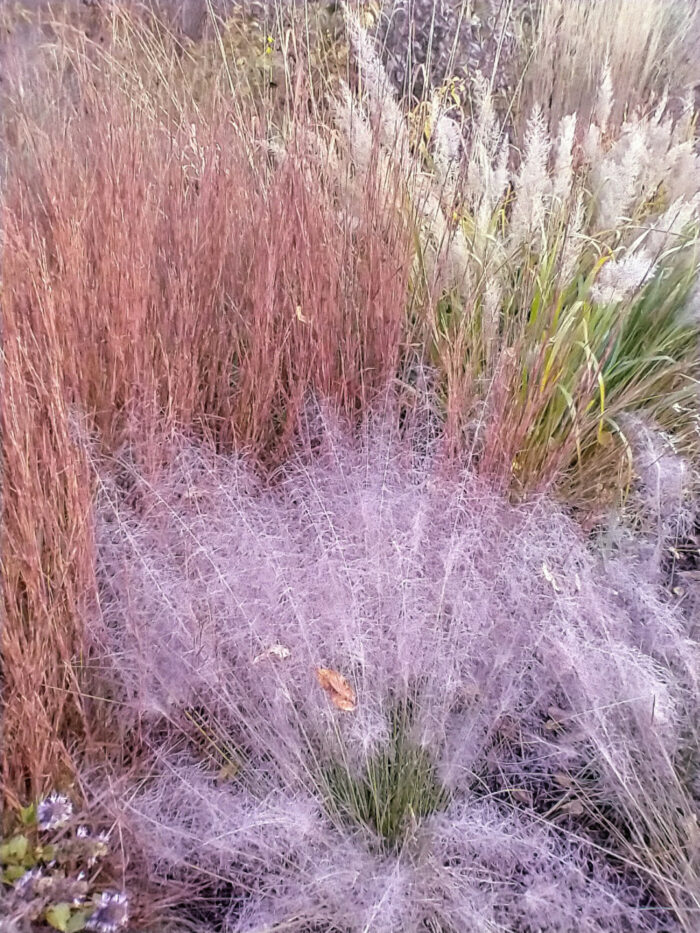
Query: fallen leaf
573, 808
274, 651
228, 772
58, 915
522, 795
338, 689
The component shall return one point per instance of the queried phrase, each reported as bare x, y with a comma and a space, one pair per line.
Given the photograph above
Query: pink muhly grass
552, 692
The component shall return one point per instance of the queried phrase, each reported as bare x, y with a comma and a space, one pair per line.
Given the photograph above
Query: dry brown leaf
274, 651
338, 689
563, 779
228, 772
559, 718
573, 808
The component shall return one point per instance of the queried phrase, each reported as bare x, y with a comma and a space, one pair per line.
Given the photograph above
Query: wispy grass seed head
548, 694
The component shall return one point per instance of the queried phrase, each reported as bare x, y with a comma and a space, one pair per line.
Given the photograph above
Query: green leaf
28, 815
13, 873
58, 916
14, 850
77, 921
46, 853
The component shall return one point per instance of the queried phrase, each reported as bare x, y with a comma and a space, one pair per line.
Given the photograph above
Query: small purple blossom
27, 880
97, 844
111, 913
54, 811
100, 848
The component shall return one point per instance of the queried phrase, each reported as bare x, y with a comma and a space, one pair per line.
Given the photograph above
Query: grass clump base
398, 787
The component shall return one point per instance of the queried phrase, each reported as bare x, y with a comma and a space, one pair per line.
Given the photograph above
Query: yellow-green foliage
257, 60
51, 870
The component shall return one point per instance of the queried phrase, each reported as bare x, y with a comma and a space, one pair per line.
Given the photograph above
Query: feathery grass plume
619, 57
575, 242
376, 89
508, 757
563, 166
604, 99
622, 278
618, 177
532, 182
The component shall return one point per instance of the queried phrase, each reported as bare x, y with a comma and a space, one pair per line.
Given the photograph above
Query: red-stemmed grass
155, 275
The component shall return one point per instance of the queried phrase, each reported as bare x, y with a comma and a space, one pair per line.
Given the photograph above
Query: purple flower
111, 913
54, 811
27, 880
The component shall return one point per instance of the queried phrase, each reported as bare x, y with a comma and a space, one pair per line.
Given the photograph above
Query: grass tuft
397, 788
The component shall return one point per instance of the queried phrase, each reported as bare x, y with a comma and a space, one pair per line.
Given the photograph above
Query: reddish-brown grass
150, 280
